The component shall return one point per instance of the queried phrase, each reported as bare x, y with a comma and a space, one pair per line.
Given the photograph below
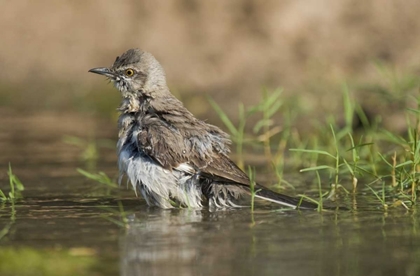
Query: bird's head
135, 73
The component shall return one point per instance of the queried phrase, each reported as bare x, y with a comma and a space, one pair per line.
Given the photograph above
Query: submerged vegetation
30, 261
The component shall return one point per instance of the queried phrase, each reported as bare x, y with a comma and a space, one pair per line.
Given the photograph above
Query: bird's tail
298, 203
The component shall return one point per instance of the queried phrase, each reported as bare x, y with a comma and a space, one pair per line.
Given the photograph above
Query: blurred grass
347, 149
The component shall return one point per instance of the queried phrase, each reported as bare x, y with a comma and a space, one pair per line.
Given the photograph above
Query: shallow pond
68, 225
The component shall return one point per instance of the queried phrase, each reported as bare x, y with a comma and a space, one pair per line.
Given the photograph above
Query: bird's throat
130, 104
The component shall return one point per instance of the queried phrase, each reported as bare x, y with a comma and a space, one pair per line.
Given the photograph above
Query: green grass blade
322, 152
222, 115
317, 168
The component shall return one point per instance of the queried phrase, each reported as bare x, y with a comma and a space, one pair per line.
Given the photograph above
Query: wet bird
170, 156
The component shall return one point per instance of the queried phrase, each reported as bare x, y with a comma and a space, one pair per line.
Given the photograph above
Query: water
290, 243
64, 213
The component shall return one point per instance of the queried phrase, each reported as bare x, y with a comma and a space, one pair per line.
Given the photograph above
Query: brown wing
162, 142
225, 170
169, 146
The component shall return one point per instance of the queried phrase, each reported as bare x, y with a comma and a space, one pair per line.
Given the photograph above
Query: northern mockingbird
171, 157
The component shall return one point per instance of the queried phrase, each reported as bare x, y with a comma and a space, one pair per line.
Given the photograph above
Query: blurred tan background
226, 49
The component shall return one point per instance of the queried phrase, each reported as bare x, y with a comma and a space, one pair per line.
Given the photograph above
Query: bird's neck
128, 105
134, 103
160, 101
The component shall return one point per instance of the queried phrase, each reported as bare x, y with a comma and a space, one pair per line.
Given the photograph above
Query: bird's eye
129, 72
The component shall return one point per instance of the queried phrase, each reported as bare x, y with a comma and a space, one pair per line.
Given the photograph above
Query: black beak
103, 71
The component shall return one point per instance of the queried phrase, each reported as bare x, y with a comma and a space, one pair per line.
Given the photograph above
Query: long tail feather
285, 200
